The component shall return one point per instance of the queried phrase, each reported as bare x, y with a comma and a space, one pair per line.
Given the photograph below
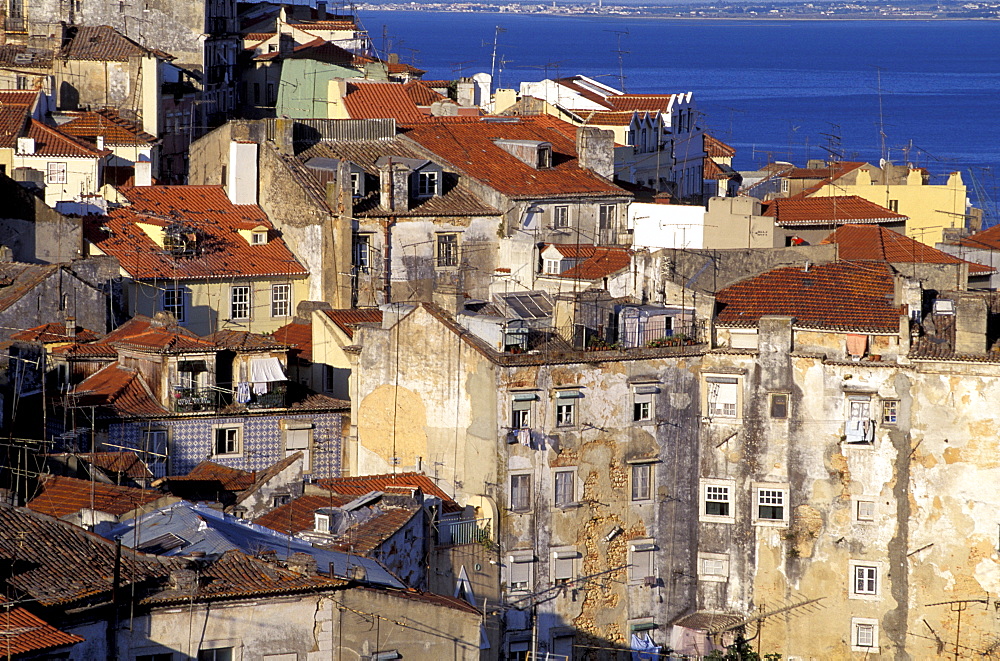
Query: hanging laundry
242, 392
260, 387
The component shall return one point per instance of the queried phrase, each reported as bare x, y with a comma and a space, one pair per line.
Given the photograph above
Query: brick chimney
394, 185
595, 149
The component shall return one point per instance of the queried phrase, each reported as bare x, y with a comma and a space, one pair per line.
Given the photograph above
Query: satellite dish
881, 163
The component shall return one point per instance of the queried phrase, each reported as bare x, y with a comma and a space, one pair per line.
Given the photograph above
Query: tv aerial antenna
621, 56
493, 62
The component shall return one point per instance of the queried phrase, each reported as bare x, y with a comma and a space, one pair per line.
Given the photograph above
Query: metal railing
474, 531
187, 400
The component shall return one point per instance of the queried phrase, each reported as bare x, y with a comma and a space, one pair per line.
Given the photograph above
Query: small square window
565, 411
173, 302
520, 492
642, 404
560, 217
717, 500
447, 250
551, 266
865, 580
890, 411
864, 635
427, 184
779, 405
258, 238
227, 440
865, 510
642, 481
565, 488
56, 173
713, 567
894, 206
770, 504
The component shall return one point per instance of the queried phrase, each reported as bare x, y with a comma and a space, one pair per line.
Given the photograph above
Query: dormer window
321, 523
258, 237
544, 156
356, 184
552, 266
427, 184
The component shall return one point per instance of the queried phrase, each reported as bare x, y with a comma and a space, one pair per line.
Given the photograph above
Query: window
520, 492
642, 475
280, 499
173, 302
227, 440
328, 378
281, 300
606, 217
56, 173
298, 438
271, 96
447, 250
544, 157
566, 407
864, 510
362, 252
356, 184
560, 216
865, 579
640, 560
864, 635
427, 184
520, 410
717, 500
218, 654
779, 405
642, 403
256, 93
894, 206
239, 304
321, 522
562, 647
165, 656
565, 487
890, 411
713, 567
563, 565
154, 449
859, 428
258, 238
771, 504
520, 574
723, 396
785, 185
551, 266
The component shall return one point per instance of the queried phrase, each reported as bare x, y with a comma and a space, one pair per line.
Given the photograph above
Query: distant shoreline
651, 16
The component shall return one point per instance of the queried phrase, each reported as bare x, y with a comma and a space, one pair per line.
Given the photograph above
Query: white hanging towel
266, 370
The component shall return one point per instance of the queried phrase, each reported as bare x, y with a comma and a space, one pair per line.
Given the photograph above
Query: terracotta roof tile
598, 261
61, 564
88, 125
843, 296
22, 98
468, 145
20, 279
162, 340
378, 100
245, 341
345, 318
22, 632
202, 210
297, 515
119, 389
422, 95
25, 57
126, 463
62, 496
231, 479
12, 121
608, 117
650, 102
872, 242
102, 43
988, 239
297, 334
716, 148
54, 332
367, 536
53, 142
829, 210
104, 348
362, 484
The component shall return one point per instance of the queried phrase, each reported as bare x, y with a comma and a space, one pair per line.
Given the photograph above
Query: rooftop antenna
493, 65
881, 120
833, 146
621, 54
459, 67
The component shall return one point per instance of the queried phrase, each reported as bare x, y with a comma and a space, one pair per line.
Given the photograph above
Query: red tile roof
344, 319
62, 496
15, 109
126, 463
380, 100
54, 332
104, 348
598, 261
22, 632
651, 102
362, 484
162, 340
297, 515
986, 240
231, 479
843, 296
421, 94
203, 210
367, 536
120, 389
716, 148
608, 117
872, 242
297, 334
468, 145
102, 43
245, 341
89, 124
829, 211
53, 142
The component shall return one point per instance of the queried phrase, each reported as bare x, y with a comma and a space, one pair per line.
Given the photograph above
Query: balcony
275, 398
475, 531
190, 400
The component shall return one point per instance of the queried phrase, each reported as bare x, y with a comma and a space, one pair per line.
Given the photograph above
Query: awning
266, 370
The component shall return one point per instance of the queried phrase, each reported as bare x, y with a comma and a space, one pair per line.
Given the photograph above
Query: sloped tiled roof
60, 564
103, 348
345, 318
843, 296
231, 479
162, 340
379, 100
369, 535
715, 148
421, 94
297, 334
829, 210
25, 57
608, 117
650, 102
827, 175
102, 43
297, 515
222, 252
13, 116
126, 463
61, 496
20, 279
89, 124
22, 632
53, 142
120, 389
54, 332
362, 484
245, 341
988, 239
597, 261
468, 145
872, 242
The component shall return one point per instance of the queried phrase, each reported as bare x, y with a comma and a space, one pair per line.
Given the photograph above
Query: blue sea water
775, 90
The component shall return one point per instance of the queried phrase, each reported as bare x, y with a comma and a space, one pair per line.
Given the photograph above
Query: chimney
394, 185
100, 143
449, 297
321, 11
283, 135
184, 580
242, 173
286, 44
302, 563
25, 145
143, 173
595, 150
465, 92
393, 58
70, 326
970, 324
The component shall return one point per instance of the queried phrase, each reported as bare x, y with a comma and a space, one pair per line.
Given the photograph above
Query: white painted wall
666, 226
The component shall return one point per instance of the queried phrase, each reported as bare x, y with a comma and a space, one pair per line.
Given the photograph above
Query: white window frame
356, 184
890, 412
552, 266
281, 300
447, 250
717, 391
607, 216
764, 495
258, 238
362, 252
521, 504
641, 560
240, 301
859, 420
560, 216
559, 475
867, 625
299, 436
644, 404
713, 567
56, 172
522, 410
704, 498
521, 565
649, 468
861, 573
427, 183
237, 438
864, 509
566, 407
564, 564
171, 303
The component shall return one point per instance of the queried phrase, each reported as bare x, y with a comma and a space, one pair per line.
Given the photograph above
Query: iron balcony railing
474, 531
